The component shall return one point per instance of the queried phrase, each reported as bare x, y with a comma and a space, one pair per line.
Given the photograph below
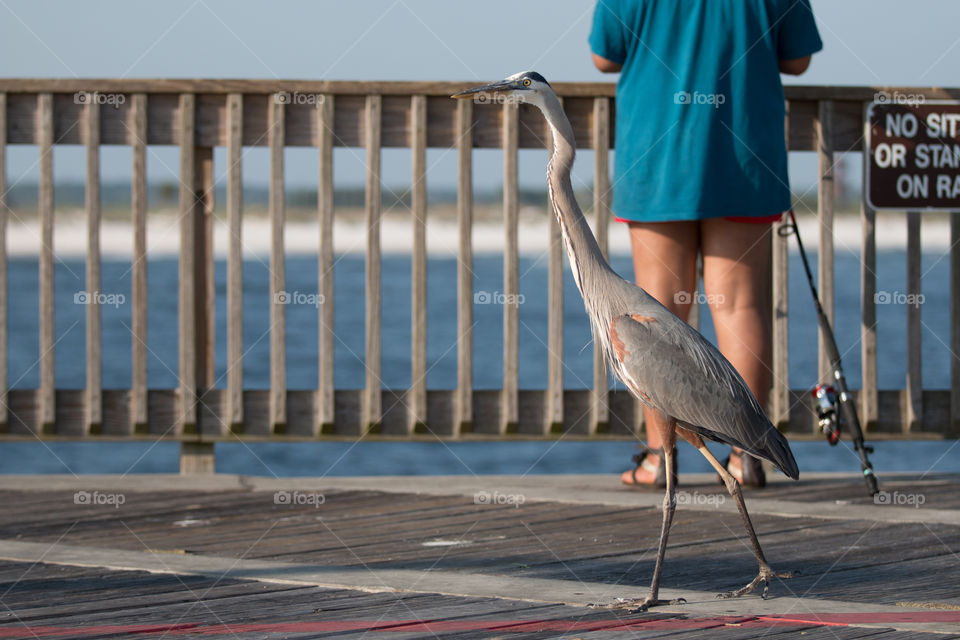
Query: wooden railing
198, 115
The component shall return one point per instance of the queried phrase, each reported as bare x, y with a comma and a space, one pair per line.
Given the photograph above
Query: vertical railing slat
204, 289
3, 264
234, 408
279, 297
554, 408
372, 405
325, 322
825, 201
599, 397
869, 396
780, 392
954, 429
92, 205
464, 405
914, 325
417, 403
779, 313
510, 414
45, 204
138, 205
187, 419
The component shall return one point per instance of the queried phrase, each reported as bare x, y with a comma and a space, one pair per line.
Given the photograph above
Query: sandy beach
301, 232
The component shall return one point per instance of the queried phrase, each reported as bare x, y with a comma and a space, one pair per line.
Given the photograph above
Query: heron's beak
494, 87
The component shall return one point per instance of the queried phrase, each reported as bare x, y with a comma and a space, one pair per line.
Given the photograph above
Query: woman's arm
793, 67
606, 66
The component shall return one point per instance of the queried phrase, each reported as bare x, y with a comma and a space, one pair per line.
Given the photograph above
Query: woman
701, 166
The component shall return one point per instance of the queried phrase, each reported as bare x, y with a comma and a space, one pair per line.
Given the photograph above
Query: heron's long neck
586, 259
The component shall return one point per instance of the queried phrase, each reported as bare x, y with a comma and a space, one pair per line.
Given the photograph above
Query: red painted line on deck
502, 626
888, 617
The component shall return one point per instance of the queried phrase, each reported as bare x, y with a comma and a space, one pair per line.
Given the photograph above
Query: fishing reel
828, 415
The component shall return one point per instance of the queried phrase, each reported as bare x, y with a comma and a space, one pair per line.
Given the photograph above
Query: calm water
369, 458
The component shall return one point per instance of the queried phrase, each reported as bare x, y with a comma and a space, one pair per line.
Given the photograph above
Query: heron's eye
526, 82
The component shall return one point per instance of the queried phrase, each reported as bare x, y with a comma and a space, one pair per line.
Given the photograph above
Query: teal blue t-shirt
700, 105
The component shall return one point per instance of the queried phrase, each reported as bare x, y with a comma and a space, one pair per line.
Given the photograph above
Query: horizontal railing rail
199, 115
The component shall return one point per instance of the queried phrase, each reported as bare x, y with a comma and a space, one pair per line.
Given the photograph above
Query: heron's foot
764, 577
638, 605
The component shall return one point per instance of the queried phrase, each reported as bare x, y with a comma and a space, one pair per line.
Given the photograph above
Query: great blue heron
668, 365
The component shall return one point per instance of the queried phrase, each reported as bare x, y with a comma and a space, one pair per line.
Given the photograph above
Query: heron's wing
685, 377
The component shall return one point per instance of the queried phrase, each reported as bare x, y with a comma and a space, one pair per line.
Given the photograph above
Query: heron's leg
766, 573
669, 506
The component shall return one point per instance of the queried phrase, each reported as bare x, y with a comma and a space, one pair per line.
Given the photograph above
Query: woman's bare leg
665, 266
736, 279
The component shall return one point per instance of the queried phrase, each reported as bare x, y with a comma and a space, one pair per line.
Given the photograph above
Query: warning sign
914, 156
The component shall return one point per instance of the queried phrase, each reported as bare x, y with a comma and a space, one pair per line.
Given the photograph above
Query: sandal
659, 471
751, 471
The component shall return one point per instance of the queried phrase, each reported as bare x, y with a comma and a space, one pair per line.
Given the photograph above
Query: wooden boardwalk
467, 557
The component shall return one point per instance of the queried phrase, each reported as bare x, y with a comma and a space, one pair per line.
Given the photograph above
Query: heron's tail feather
777, 451
771, 446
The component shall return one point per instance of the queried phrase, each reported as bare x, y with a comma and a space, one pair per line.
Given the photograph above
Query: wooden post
510, 403
373, 394
417, 402
187, 421
325, 321
463, 420
45, 204
600, 394
196, 458
196, 288
780, 319
825, 201
279, 296
914, 404
94, 402
234, 408
138, 205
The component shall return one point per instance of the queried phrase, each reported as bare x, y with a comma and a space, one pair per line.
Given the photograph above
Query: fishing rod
835, 407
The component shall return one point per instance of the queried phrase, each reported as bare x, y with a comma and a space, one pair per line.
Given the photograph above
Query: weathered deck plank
89, 602
606, 549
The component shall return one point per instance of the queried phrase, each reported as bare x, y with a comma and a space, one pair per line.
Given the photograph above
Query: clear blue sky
867, 42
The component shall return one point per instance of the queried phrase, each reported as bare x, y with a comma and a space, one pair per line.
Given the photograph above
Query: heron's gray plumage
662, 360
671, 366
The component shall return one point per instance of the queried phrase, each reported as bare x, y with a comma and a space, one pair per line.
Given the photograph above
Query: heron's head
526, 86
